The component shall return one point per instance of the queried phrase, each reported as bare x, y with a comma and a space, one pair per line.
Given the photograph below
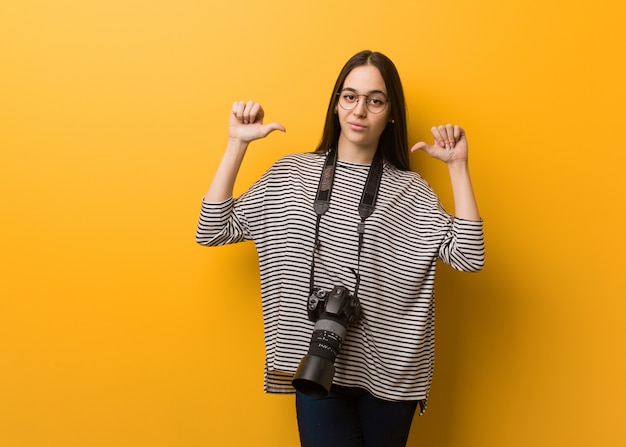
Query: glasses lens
348, 99
376, 102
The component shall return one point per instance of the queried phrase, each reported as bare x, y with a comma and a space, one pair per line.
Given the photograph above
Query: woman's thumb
421, 146
271, 127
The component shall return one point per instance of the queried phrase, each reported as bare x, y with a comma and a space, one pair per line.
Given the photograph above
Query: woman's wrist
458, 167
235, 144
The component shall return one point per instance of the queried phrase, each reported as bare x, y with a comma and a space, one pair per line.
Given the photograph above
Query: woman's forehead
365, 78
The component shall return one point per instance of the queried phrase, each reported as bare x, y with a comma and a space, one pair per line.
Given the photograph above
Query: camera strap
366, 205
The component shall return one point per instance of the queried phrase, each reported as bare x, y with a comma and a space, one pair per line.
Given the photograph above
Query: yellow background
116, 329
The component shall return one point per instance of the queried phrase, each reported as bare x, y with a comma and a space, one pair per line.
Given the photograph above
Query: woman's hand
450, 144
246, 122
245, 125
451, 147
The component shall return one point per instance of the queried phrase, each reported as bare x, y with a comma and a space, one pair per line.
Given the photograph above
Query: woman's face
361, 127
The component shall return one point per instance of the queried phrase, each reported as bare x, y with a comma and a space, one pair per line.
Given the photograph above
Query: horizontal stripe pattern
390, 350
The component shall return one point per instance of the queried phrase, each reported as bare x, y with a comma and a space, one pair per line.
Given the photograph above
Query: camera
332, 313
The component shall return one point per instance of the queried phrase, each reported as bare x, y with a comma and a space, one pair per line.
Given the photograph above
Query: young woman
350, 218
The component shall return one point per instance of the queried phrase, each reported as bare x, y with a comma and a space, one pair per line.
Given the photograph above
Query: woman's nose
360, 108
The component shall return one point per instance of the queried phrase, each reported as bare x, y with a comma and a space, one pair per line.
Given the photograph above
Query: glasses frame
358, 95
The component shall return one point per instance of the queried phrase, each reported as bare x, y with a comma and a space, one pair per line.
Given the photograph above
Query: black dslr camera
332, 312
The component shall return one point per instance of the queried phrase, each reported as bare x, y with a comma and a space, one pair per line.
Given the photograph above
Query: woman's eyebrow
369, 93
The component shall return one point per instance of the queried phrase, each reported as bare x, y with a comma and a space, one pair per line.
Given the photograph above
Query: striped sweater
390, 350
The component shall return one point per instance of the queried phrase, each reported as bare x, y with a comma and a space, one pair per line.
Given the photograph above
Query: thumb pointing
275, 126
271, 127
421, 146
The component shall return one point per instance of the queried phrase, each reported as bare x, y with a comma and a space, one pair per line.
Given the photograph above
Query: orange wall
117, 330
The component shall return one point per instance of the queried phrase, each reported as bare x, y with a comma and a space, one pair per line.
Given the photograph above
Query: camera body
339, 302
332, 313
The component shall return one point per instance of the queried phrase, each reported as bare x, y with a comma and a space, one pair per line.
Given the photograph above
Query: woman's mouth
356, 126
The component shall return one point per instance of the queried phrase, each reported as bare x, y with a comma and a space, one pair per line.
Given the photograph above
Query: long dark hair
393, 143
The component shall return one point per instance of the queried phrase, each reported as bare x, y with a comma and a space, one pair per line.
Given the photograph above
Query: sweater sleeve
229, 221
463, 247
219, 224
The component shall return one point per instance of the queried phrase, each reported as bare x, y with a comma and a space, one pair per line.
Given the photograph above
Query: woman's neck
355, 154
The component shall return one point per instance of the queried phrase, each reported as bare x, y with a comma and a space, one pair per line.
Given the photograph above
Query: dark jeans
352, 417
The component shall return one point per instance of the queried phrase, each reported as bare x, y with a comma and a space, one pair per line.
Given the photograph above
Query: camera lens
315, 373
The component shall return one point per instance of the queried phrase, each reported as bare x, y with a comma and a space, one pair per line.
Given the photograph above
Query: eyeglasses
374, 102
